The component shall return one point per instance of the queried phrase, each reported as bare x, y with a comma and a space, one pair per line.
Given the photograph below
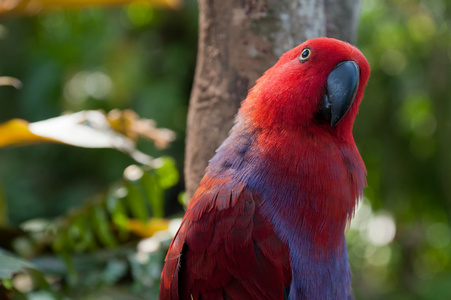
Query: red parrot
268, 219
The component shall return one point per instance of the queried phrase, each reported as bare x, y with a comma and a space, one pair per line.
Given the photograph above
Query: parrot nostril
324, 112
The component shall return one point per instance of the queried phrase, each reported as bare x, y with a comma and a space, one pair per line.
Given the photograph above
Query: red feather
225, 249
276, 197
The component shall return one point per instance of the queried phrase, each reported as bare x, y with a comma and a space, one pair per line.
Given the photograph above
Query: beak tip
335, 122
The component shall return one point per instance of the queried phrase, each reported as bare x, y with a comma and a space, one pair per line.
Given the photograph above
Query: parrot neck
308, 184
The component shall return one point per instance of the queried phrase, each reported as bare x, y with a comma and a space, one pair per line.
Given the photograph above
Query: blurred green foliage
132, 57
403, 132
142, 58
79, 210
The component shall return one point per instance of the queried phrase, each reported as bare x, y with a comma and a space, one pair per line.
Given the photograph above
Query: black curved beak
341, 88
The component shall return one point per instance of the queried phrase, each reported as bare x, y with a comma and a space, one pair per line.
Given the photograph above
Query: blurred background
77, 217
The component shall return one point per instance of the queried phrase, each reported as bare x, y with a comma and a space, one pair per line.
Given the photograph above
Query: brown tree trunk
238, 41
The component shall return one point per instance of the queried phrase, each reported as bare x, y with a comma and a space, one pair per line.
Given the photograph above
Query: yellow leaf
15, 132
87, 129
147, 229
32, 7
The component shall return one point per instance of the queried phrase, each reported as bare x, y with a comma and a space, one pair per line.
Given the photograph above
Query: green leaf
183, 199
58, 243
136, 201
7, 283
154, 182
102, 226
154, 193
10, 265
167, 173
81, 234
120, 218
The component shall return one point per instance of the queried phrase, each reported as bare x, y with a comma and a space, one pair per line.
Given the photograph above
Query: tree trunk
238, 41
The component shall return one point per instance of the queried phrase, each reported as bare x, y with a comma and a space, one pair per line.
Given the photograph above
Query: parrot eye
305, 54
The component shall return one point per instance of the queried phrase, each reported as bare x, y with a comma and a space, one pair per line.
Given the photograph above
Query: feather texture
269, 215
225, 249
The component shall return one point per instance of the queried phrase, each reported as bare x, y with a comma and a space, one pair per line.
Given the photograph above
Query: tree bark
238, 41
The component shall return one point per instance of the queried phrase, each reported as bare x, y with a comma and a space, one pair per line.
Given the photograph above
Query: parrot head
318, 84
300, 114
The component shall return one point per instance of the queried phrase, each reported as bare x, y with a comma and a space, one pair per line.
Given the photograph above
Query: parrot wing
225, 249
